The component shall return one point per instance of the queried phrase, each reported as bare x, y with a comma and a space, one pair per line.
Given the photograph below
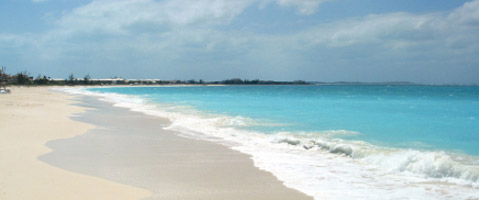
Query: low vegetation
24, 78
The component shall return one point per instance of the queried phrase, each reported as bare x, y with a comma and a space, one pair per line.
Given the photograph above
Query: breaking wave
319, 164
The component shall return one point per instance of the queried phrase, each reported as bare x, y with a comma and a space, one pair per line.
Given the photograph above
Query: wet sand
132, 149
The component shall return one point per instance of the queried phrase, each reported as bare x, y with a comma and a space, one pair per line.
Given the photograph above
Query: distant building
56, 79
109, 81
142, 81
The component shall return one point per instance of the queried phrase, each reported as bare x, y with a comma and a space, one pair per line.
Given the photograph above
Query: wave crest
318, 157
429, 164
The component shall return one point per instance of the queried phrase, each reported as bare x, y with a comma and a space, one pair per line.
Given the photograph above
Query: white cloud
16, 41
304, 6
466, 14
398, 30
194, 21
178, 31
386, 29
116, 16
190, 11
38, 1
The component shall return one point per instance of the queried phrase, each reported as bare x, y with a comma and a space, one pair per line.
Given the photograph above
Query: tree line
24, 78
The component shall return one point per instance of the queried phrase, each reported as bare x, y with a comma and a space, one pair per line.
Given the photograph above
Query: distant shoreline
210, 84
23, 79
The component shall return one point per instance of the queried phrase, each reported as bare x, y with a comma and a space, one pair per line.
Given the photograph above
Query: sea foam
318, 164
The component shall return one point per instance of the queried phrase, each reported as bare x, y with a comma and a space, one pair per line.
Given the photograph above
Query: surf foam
318, 164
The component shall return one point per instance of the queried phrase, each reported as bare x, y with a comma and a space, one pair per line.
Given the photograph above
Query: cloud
39, 1
165, 18
400, 30
16, 41
171, 35
305, 7
395, 30
116, 16
120, 17
205, 11
467, 14
192, 21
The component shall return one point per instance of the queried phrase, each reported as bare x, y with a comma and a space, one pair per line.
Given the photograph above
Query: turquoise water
332, 142
417, 117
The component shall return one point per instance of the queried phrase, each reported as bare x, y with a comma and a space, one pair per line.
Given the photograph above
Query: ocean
332, 142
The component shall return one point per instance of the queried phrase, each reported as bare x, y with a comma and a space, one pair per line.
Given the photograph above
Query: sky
422, 41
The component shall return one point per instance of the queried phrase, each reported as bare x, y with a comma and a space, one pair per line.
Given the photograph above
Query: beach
103, 152
29, 118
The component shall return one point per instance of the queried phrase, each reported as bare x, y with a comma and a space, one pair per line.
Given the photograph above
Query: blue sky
421, 41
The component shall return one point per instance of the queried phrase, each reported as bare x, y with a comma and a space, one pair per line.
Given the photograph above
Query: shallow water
406, 116
419, 141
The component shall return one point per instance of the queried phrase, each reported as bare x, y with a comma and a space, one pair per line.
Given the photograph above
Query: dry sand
29, 117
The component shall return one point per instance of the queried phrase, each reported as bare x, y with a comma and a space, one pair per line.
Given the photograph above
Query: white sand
29, 117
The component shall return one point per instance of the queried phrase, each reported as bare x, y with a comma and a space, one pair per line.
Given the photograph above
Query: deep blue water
418, 117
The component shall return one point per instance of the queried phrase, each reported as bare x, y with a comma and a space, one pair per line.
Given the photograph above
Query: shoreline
168, 165
127, 145
329, 172
30, 117
36, 119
